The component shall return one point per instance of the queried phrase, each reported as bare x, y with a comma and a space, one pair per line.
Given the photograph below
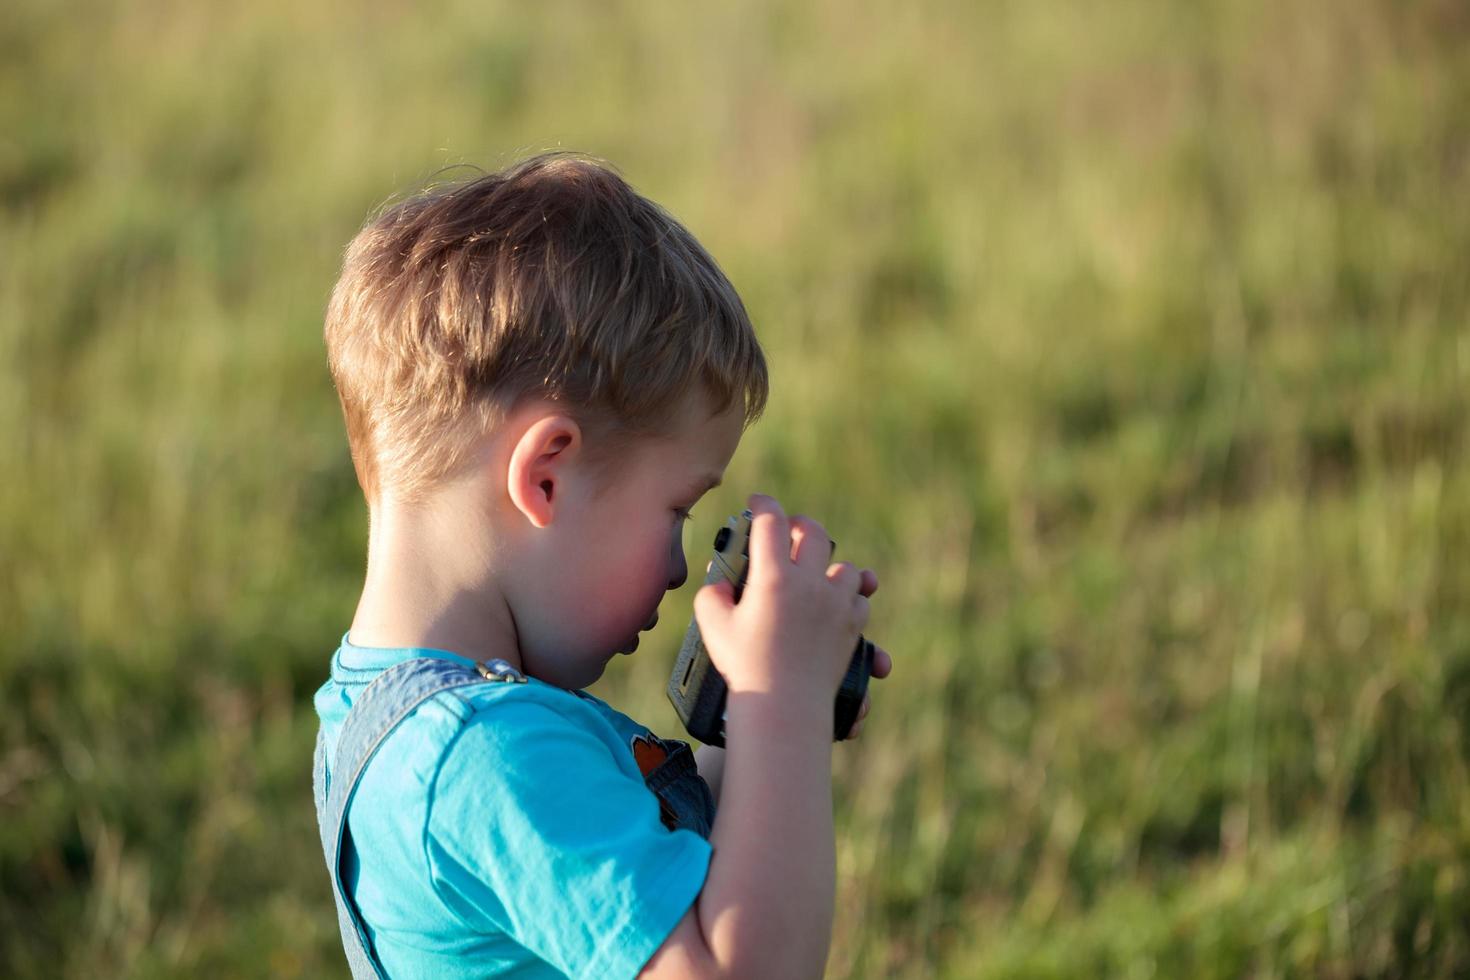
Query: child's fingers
843, 575
860, 611
870, 582
882, 662
770, 538
713, 603
811, 547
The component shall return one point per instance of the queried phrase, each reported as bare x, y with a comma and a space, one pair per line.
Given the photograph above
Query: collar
353, 664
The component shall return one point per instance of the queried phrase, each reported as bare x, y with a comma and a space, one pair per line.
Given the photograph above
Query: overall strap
388, 700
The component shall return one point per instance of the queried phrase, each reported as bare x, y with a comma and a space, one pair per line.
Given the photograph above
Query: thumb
713, 603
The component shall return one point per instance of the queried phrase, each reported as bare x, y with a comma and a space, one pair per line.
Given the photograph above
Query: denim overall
684, 797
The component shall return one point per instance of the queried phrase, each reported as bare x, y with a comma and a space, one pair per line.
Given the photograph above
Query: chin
592, 677
571, 676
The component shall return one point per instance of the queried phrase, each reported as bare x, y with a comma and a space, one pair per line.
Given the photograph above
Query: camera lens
722, 538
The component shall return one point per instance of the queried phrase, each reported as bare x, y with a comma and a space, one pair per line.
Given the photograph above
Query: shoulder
532, 768
479, 728
627, 728
503, 730
471, 702
506, 709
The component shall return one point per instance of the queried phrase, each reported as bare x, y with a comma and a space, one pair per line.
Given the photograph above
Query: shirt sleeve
537, 829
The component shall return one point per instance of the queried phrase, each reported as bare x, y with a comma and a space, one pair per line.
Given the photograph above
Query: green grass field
1130, 343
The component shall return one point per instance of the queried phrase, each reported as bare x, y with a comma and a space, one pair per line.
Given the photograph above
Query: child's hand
882, 661
798, 619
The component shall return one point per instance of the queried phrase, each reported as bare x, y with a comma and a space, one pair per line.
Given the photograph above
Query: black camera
698, 691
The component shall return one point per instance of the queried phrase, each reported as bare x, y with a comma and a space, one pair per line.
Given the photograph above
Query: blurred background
1129, 342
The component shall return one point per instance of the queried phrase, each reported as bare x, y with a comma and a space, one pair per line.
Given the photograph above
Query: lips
632, 644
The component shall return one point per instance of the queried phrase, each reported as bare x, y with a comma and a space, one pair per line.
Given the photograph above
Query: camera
697, 690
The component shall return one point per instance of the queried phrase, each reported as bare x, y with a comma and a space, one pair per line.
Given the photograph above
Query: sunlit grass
1128, 343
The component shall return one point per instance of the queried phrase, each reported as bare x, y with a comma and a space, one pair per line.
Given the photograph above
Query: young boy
541, 372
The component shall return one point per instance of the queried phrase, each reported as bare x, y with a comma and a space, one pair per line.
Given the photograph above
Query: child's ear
540, 464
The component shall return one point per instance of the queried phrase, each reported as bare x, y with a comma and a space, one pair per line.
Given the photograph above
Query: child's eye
684, 513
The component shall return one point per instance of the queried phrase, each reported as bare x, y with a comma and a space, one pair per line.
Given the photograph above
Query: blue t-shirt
506, 830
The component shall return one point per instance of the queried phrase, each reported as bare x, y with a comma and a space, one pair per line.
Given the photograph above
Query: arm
711, 758
766, 906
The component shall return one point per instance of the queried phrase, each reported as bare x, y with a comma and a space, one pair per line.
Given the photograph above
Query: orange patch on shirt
649, 752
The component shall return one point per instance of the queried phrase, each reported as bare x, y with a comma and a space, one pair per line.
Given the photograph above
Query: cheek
625, 581
661, 565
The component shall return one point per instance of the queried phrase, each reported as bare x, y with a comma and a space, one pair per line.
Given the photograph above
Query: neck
431, 582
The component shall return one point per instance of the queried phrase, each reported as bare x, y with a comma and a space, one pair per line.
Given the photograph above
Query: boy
541, 372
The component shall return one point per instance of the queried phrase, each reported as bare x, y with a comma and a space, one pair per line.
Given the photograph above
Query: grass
1129, 344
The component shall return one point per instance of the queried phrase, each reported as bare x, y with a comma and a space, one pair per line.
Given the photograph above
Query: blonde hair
551, 279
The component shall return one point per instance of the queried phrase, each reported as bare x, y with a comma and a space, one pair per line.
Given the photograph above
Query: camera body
697, 690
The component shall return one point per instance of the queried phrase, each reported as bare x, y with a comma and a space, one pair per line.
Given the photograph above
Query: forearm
766, 907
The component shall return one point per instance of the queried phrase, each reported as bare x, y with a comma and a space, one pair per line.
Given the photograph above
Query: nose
678, 568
